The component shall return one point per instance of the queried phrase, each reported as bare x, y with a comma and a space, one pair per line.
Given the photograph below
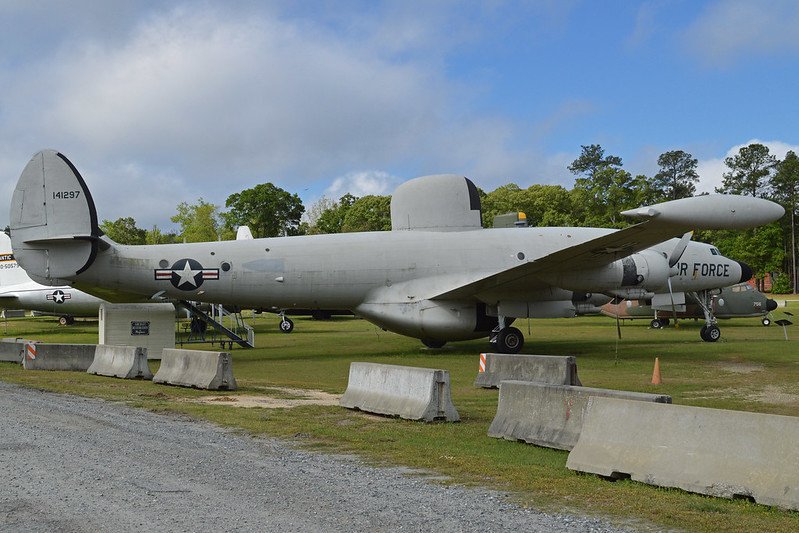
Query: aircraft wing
593, 253
662, 222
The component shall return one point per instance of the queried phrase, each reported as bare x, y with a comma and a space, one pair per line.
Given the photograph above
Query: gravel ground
75, 464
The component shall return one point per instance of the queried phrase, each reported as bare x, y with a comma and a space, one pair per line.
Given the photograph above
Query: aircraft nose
746, 272
771, 305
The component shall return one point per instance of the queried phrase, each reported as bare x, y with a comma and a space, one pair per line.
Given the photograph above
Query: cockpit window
715, 251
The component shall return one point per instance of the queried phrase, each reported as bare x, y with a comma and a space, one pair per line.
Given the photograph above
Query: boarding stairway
238, 332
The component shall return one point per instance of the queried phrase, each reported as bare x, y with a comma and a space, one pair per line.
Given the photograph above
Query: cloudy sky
158, 102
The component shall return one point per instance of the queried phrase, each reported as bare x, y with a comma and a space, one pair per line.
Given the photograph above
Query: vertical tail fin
54, 231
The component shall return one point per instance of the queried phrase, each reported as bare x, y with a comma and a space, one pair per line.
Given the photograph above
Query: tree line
602, 189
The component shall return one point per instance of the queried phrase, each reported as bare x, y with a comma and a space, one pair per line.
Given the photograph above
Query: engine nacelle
653, 268
643, 271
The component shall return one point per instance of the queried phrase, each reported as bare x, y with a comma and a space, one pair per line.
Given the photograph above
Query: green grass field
752, 368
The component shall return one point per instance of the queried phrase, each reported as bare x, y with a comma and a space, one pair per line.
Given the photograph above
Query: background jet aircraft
737, 301
437, 275
19, 291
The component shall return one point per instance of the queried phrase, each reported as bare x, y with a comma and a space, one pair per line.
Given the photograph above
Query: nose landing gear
710, 332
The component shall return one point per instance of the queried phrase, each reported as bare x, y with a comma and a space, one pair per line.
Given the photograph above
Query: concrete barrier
730, 454
77, 357
550, 415
404, 391
196, 368
128, 362
12, 348
497, 367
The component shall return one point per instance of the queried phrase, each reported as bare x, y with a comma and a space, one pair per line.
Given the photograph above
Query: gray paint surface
552, 369
404, 391
710, 451
551, 415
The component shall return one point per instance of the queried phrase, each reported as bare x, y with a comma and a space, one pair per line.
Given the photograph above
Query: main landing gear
507, 339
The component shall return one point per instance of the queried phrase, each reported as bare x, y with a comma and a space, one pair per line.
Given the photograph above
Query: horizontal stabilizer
60, 239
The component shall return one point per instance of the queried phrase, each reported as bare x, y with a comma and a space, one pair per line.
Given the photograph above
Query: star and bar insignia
59, 296
186, 274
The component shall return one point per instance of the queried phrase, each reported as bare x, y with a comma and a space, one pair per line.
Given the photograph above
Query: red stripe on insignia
211, 274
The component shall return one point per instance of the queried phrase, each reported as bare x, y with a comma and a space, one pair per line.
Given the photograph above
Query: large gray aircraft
437, 275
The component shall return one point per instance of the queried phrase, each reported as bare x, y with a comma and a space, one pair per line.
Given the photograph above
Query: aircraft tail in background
10, 272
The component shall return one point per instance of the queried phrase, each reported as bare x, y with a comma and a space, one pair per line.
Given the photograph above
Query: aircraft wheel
766, 321
286, 325
433, 344
710, 333
510, 340
63, 320
656, 324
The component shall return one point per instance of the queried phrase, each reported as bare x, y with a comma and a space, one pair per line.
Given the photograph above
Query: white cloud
711, 171
263, 93
165, 106
729, 30
374, 182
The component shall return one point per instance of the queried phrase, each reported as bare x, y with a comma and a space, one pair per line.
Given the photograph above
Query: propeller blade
676, 254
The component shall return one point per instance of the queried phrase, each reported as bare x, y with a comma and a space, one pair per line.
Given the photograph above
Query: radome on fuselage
437, 275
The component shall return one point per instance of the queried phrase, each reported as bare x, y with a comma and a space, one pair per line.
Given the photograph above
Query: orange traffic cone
656, 373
